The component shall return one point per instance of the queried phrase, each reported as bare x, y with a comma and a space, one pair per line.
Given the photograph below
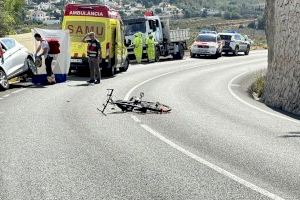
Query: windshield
131, 29
225, 37
206, 38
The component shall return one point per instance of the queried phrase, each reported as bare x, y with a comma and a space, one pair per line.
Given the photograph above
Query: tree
261, 22
122, 14
187, 14
231, 15
138, 13
282, 88
204, 13
11, 13
158, 11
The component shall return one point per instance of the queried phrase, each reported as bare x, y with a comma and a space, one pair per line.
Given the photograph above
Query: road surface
216, 144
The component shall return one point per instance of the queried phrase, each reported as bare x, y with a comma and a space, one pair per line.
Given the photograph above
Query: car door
241, 42
237, 39
16, 55
7, 59
244, 42
118, 46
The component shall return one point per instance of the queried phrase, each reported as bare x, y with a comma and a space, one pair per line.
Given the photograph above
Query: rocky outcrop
283, 77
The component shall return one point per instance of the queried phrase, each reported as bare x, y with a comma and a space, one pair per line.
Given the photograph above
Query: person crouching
45, 48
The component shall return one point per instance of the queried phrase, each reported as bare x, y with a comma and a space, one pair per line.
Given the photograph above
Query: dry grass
257, 88
25, 39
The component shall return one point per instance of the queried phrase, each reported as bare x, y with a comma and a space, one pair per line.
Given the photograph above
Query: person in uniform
138, 47
150, 43
94, 55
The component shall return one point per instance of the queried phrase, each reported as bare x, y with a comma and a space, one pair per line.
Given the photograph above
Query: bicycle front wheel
156, 107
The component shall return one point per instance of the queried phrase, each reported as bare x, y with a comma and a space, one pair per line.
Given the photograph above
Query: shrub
258, 86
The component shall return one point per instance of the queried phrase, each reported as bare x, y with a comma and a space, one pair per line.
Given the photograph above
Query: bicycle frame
108, 101
134, 104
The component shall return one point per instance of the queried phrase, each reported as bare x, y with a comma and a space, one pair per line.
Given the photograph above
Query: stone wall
283, 77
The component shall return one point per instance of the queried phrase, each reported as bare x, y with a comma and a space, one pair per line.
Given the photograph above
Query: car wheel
247, 51
125, 66
32, 69
4, 85
180, 54
216, 56
110, 69
157, 55
236, 51
220, 53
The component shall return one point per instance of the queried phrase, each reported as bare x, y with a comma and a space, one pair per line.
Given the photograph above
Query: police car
235, 43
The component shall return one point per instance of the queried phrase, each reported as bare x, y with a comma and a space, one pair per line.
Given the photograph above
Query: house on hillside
37, 15
45, 6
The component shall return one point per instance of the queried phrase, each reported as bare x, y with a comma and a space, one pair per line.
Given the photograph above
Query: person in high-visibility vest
150, 42
138, 47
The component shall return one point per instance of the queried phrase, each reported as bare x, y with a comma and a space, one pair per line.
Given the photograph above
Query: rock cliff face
283, 77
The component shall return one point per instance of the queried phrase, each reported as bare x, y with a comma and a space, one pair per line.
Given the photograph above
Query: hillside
232, 9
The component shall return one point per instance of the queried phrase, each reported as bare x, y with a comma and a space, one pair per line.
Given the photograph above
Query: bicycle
135, 104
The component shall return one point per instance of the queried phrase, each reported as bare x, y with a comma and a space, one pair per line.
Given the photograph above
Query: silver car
16, 61
235, 43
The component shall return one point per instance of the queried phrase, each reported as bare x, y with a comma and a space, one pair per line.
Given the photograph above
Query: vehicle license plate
76, 60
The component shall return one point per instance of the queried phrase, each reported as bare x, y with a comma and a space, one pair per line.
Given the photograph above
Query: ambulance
81, 19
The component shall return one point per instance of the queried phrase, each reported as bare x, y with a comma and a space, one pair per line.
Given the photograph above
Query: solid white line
127, 96
252, 106
210, 165
235, 85
6, 96
17, 91
135, 119
1, 98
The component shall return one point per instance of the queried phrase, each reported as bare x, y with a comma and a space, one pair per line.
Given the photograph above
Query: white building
45, 6
38, 15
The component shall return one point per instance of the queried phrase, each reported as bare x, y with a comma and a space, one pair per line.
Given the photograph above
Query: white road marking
1, 113
127, 96
17, 91
235, 85
1, 98
135, 119
6, 96
210, 165
254, 107
193, 156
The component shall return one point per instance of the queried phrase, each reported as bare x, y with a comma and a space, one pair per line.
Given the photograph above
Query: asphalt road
216, 144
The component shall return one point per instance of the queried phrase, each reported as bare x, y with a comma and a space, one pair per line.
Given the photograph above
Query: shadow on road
286, 113
291, 135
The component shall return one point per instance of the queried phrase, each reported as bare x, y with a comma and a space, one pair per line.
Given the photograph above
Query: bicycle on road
134, 104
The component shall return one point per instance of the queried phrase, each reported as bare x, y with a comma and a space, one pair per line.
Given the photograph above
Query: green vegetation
258, 87
231, 9
11, 13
